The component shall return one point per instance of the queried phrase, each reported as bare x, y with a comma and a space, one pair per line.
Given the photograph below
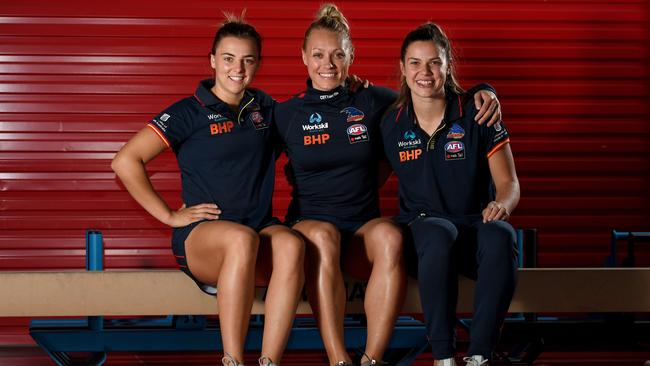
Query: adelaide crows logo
354, 115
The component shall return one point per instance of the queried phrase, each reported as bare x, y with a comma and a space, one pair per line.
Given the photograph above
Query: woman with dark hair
457, 188
331, 137
222, 140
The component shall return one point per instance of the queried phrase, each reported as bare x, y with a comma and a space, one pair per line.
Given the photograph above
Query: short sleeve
172, 126
493, 137
496, 137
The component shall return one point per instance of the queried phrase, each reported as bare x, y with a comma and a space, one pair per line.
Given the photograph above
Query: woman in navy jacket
331, 136
457, 188
222, 138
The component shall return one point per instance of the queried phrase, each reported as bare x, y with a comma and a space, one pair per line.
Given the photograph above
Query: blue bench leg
409, 357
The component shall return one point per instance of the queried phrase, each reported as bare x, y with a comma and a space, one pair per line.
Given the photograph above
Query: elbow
118, 164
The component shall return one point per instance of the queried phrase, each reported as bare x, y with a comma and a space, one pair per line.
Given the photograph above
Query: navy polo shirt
333, 143
446, 174
225, 157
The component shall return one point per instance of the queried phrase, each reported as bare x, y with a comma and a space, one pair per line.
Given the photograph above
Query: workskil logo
315, 123
315, 118
214, 116
354, 115
410, 140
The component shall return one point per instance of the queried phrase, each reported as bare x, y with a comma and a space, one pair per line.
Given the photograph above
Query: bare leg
281, 257
379, 242
325, 288
224, 253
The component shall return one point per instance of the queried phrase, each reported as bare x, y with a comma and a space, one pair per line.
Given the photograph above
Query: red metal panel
78, 78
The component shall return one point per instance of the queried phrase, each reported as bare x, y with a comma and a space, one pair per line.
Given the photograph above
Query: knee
323, 235
244, 243
292, 250
500, 238
434, 236
324, 247
389, 241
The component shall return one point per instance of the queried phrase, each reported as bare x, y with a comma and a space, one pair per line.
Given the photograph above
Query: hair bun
232, 18
331, 11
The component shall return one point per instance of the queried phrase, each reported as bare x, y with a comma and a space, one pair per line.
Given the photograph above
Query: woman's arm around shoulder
487, 104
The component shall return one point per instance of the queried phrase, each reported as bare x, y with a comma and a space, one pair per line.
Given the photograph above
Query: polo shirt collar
453, 111
206, 97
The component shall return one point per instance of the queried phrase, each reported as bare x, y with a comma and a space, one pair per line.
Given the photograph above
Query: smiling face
425, 68
235, 62
327, 59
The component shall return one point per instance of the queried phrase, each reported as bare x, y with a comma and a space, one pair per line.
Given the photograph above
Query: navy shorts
179, 235
346, 227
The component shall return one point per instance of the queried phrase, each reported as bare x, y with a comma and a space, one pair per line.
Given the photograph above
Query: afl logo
454, 147
409, 135
357, 129
315, 118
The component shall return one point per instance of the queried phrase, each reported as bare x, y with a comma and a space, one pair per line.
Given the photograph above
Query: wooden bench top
166, 292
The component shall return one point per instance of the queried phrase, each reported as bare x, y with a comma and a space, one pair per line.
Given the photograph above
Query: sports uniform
333, 143
225, 157
444, 184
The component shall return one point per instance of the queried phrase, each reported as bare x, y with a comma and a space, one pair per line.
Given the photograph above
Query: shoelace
228, 360
265, 361
471, 361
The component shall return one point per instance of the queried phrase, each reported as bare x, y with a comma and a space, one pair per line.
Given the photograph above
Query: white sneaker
475, 361
446, 362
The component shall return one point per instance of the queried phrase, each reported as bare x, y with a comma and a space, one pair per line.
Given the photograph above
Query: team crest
354, 115
456, 132
258, 120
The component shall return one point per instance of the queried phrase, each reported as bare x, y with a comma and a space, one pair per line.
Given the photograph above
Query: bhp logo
223, 127
316, 139
409, 155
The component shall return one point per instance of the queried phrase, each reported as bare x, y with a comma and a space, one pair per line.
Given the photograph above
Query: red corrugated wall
78, 78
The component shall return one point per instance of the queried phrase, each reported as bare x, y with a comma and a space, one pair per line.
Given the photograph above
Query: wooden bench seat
170, 292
